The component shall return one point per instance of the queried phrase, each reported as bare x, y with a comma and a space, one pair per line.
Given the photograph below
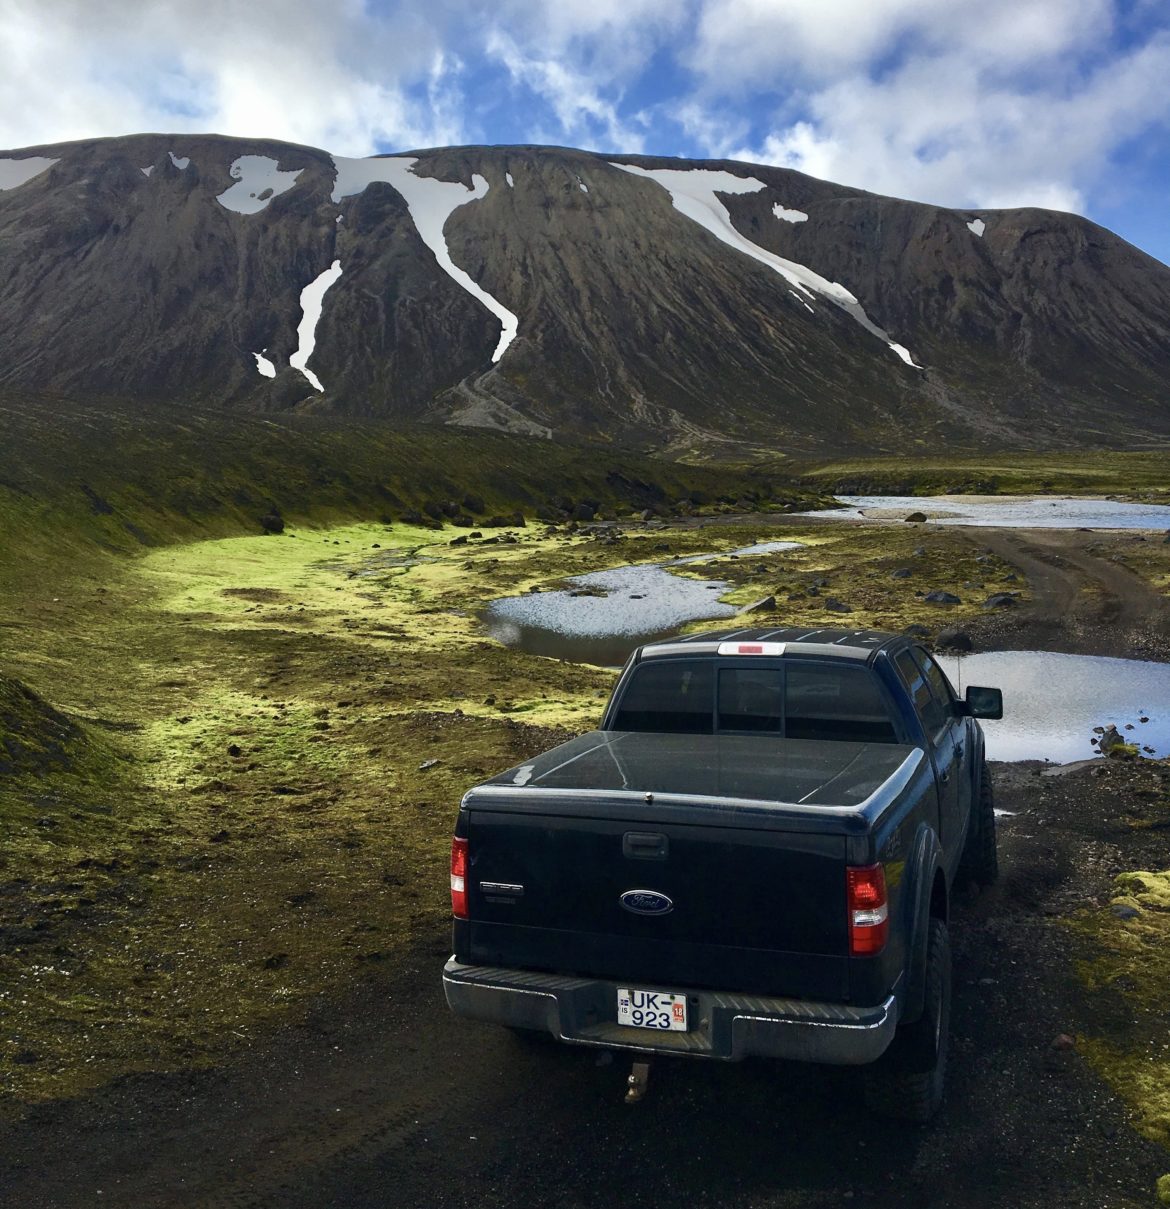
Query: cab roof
860, 645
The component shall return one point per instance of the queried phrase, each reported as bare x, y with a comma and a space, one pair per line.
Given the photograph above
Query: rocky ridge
686, 305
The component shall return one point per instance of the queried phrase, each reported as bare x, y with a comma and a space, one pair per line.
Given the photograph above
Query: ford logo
647, 902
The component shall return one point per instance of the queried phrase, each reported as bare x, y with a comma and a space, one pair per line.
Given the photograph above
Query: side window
940, 711
925, 703
672, 696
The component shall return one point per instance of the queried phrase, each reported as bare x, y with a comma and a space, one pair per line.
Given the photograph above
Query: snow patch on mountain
977, 226
508, 178
147, 171
693, 193
582, 185
265, 367
180, 162
430, 202
789, 215
258, 180
14, 173
312, 296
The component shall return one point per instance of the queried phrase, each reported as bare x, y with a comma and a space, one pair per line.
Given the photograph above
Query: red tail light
869, 914
459, 877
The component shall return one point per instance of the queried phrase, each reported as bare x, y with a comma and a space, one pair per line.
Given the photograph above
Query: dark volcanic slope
638, 319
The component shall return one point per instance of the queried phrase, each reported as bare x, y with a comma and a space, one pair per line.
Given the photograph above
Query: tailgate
742, 904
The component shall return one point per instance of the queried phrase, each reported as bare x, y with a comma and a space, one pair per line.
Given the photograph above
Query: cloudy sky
1061, 103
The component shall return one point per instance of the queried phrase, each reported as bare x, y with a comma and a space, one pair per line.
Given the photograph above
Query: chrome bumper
583, 1011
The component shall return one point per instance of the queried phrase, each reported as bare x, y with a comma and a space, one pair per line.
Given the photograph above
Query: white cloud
334, 76
583, 114
743, 44
939, 130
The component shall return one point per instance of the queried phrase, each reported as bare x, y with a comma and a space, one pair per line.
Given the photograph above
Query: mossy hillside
76, 481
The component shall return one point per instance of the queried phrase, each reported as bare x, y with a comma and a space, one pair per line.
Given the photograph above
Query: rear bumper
583, 1011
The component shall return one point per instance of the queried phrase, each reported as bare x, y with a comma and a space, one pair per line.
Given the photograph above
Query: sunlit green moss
1128, 958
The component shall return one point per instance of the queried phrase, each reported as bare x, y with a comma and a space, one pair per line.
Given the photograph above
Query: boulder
948, 598
1001, 600
833, 605
901, 573
766, 604
272, 522
916, 517
584, 512
954, 639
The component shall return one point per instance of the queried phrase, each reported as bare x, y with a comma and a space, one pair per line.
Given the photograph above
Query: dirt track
382, 1099
1083, 601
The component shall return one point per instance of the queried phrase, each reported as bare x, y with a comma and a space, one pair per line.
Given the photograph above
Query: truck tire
906, 1082
980, 859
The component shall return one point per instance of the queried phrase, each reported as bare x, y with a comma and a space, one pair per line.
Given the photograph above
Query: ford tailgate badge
647, 902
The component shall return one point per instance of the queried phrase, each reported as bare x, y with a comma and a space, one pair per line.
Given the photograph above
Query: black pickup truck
754, 855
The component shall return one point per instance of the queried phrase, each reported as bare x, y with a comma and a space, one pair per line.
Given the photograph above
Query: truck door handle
645, 846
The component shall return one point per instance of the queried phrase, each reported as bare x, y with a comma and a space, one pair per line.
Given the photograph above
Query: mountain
684, 305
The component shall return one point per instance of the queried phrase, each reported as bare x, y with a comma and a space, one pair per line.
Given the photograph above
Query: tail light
459, 877
869, 913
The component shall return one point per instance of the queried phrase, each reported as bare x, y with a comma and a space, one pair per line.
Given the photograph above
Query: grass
1134, 475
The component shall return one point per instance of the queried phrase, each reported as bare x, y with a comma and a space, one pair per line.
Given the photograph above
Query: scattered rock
833, 605
272, 522
916, 518
461, 540
427, 764
1063, 1042
583, 512
766, 604
277, 961
901, 573
954, 639
1124, 911
234, 750
942, 598
1001, 600
914, 630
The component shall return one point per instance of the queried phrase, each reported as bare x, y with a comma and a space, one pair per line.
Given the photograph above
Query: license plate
664, 1010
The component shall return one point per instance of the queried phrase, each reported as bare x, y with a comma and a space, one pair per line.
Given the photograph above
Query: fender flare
925, 863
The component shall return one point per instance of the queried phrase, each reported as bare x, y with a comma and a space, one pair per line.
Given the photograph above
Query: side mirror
984, 702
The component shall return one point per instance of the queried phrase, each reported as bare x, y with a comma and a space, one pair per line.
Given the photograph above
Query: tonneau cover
741, 767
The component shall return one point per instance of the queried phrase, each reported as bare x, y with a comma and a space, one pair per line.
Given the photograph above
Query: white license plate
664, 1010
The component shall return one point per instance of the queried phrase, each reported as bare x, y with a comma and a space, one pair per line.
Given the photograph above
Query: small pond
632, 605
1052, 702
1008, 512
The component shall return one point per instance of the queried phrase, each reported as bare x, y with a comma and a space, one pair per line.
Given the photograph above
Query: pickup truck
754, 855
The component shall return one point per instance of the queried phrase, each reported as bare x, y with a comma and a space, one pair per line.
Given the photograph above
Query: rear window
673, 697
796, 700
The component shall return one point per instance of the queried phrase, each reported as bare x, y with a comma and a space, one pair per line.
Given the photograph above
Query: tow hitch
636, 1082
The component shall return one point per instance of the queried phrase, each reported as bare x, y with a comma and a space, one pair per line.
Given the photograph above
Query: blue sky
1060, 103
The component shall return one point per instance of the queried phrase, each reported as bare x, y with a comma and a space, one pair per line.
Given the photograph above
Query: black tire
980, 859
907, 1081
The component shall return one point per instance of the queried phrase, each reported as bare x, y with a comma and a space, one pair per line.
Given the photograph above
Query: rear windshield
794, 700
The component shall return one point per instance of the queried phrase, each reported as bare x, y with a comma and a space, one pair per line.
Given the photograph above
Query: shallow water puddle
1052, 702
633, 605
1015, 512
